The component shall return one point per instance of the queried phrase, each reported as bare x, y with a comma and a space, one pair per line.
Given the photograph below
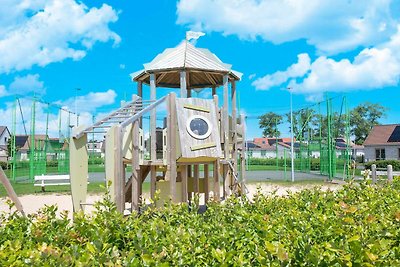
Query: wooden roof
203, 68
383, 135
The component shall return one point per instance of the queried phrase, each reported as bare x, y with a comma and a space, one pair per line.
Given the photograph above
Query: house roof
2, 129
23, 141
204, 69
384, 135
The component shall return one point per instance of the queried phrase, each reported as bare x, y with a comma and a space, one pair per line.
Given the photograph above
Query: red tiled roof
380, 135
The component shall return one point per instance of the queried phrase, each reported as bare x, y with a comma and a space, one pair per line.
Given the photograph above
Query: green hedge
354, 226
383, 164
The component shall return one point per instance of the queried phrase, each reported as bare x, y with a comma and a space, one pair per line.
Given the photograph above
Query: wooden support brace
136, 179
184, 183
206, 181
216, 189
172, 156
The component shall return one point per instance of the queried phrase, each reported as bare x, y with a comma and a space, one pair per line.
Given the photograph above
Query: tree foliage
269, 122
363, 118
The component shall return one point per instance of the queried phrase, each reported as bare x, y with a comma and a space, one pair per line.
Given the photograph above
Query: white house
383, 142
4, 137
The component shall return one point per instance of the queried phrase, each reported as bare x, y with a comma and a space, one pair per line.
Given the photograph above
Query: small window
263, 142
263, 153
380, 154
198, 127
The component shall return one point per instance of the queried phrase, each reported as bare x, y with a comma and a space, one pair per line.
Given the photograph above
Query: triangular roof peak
205, 67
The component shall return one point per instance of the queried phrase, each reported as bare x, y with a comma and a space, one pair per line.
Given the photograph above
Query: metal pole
291, 131
76, 106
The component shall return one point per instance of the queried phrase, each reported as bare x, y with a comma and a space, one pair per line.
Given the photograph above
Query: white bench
47, 180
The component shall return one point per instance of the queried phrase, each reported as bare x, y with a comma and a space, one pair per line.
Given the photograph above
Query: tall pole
76, 106
291, 132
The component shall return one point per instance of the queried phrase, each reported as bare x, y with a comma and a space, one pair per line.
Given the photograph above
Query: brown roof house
383, 142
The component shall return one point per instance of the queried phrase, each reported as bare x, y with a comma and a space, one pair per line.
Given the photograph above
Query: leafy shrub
383, 164
358, 225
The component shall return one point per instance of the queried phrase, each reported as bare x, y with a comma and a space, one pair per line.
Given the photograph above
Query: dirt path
32, 203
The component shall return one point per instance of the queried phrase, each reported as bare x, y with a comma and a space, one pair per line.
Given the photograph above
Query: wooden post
189, 93
216, 190
390, 173
172, 156
243, 152
184, 183
10, 191
136, 179
78, 168
153, 138
206, 190
183, 84
118, 170
140, 94
234, 130
225, 118
226, 180
373, 170
196, 178
153, 181
214, 90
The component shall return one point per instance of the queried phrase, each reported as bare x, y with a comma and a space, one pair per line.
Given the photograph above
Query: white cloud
372, 68
330, 25
3, 91
26, 84
36, 32
90, 102
298, 69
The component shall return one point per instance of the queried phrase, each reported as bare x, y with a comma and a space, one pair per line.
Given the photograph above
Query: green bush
383, 164
358, 225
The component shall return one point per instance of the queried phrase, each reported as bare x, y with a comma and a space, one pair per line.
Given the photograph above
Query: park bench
48, 180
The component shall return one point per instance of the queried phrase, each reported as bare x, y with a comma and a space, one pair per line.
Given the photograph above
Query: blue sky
53, 47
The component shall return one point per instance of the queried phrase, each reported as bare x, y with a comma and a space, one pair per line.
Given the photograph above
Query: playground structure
196, 134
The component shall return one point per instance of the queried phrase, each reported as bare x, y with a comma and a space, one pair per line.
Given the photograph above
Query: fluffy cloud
372, 68
90, 102
330, 25
38, 32
26, 84
298, 69
3, 91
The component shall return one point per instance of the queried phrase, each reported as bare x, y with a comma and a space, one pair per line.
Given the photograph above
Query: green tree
363, 118
302, 122
269, 122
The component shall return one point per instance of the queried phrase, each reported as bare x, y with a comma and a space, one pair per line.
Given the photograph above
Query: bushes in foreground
355, 226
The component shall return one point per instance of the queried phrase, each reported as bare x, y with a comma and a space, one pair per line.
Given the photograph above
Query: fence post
373, 170
390, 173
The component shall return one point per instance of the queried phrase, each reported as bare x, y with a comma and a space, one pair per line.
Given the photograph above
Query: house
383, 142
268, 148
4, 137
95, 147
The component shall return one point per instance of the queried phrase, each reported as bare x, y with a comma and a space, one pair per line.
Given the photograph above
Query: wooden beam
206, 189
140, 94
172, 157
153, 181
226, 180
217, 195
214, 90
196, 179
234, 130
10, 191
136, 179
119, 185
153, 155
184, 177
225, 118
183, 84
243, 152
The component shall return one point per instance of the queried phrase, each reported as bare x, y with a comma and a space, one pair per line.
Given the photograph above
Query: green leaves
355, 226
